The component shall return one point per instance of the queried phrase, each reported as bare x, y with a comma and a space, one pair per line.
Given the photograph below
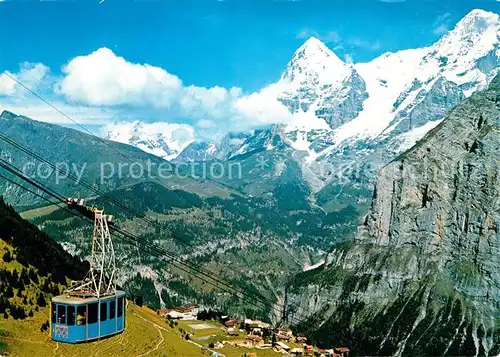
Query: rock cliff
423, 274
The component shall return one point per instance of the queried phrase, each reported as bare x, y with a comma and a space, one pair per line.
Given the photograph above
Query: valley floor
146, 334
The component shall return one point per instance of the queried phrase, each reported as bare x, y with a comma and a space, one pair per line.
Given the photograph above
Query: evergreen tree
15, 276
25, 278
4, 304
46, 286
9, 292
139, 300
7, 257
33, 275
41, 300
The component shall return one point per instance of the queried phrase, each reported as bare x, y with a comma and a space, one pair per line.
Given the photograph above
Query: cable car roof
69, 299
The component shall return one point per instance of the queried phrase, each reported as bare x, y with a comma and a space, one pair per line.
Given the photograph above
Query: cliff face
423, 275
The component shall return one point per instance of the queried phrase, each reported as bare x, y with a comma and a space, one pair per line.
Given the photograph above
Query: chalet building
189, 312
163, 312
284, 335
254, 338
301, 339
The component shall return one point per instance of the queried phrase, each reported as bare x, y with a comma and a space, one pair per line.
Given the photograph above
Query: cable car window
71, 315
112, 309
120, 307
92, 318
104, 311
54, 313
81, 318
61, 314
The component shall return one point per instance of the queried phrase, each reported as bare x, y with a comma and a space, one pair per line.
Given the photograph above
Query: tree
17, 312
33, 275
274, 340
25, 278
7, 257
4, 304
46, 286
40, 301
9, 292
139, 300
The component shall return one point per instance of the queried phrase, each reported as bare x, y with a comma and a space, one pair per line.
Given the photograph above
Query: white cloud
105, 86
103, 78
442, 24
7, 84
261, 108
367, 45
30, 74
328, 37
199, 101
205, 124
333, 37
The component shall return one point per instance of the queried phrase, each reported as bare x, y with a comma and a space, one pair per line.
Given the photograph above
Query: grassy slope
25, 339
140, 338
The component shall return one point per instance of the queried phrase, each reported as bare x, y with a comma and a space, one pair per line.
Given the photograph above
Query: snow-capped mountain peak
473, 37
366, 111
161, 139
313, 62
477, 21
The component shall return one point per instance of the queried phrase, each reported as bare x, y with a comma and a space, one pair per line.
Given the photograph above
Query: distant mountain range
368, 112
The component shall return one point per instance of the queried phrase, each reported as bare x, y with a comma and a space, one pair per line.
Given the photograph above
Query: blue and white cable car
91, 309
80, 319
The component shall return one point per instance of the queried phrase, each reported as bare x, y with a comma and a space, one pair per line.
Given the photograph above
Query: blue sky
189, 62
228, 43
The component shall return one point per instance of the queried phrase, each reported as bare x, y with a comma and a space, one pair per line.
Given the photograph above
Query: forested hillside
33, 267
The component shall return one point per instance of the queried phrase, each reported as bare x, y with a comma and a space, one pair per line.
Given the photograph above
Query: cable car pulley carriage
92, 308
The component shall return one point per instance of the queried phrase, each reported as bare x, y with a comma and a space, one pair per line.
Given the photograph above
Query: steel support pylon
100, 279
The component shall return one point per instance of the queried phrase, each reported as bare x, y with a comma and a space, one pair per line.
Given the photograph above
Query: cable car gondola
91, 309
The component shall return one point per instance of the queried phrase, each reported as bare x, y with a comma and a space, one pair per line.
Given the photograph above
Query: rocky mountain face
371, 111
223, 149
421, 277
317, 80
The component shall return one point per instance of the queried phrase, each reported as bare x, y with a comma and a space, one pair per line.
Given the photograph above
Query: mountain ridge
422, 275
